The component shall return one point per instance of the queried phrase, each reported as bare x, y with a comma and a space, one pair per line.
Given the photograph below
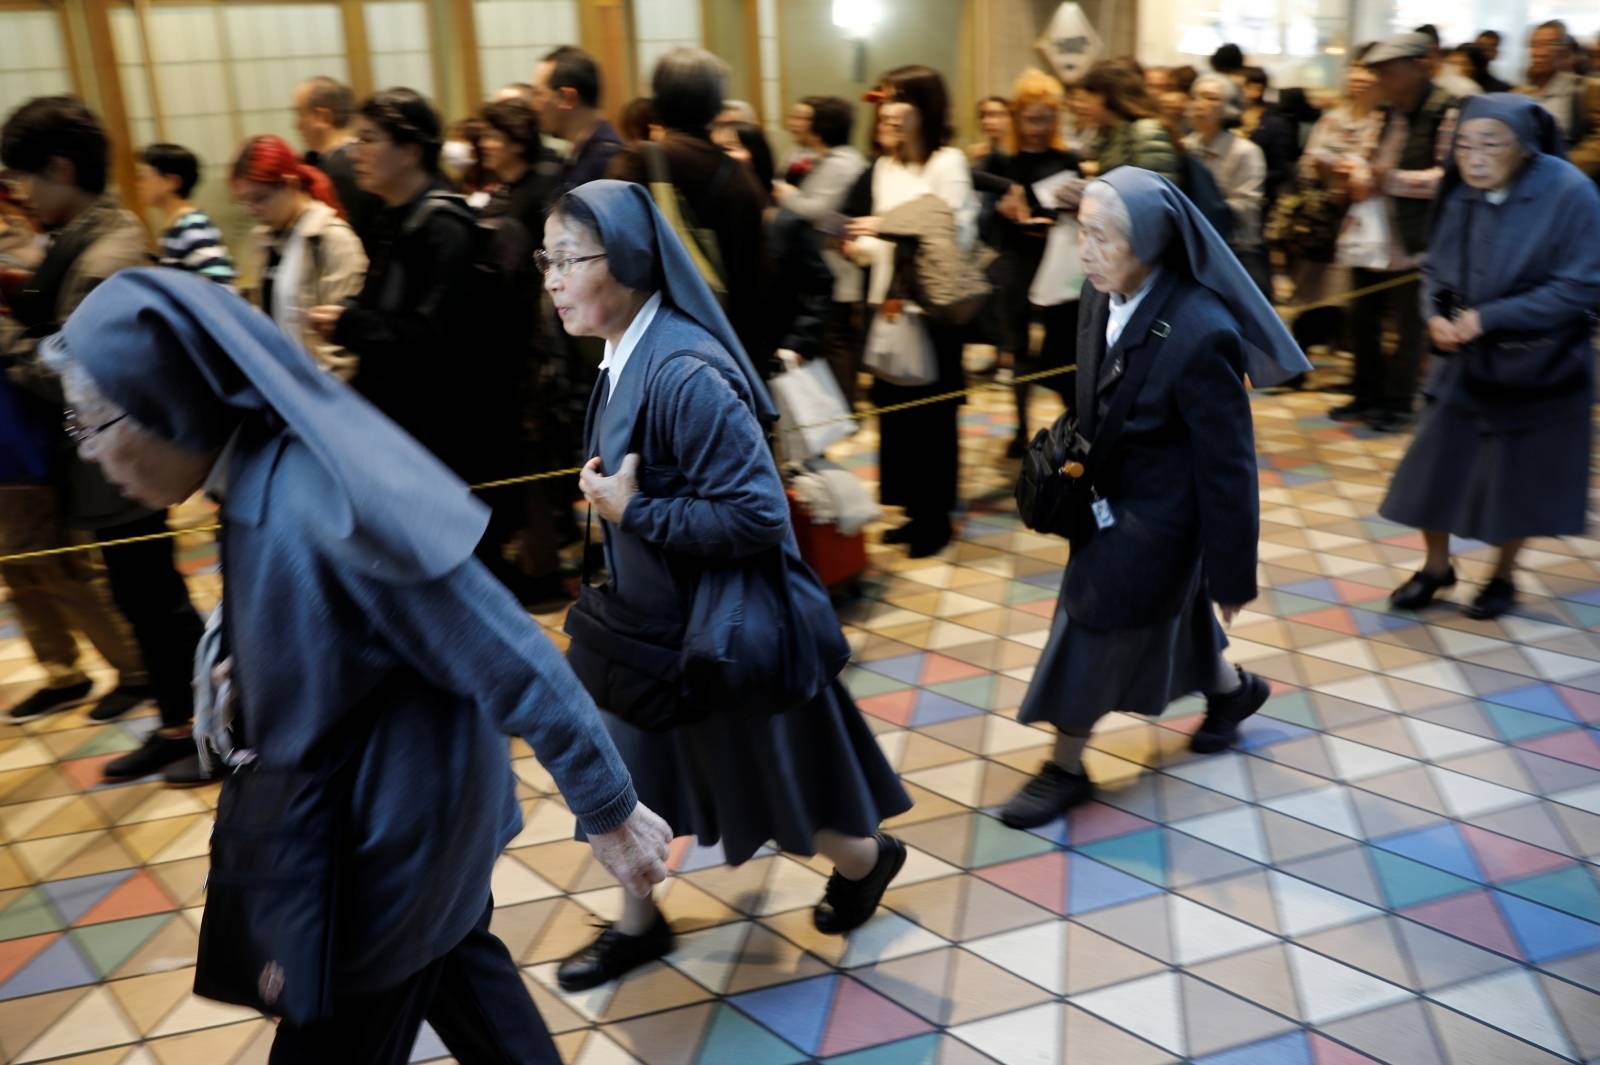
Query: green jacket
1143, 143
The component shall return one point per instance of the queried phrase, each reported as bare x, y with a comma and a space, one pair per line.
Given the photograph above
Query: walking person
685, 488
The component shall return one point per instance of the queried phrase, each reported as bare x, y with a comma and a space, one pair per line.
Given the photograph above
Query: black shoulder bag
1056, 483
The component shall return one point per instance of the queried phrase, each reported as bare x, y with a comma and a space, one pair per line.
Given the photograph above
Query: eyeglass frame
563, 267
81, 434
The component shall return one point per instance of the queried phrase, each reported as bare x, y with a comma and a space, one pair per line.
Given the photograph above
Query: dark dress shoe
1419, 591
120, 700
1389, 421
157, 753
1497, 597
1052, 792
1224, 714
189, 773
1354, 411
1018, 446
614, 955
902, 535
49, 700
849, 904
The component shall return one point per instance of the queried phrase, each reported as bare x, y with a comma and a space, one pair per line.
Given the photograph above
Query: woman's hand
1230, 611
1442, 331
325, 319
635, 853
1014, 205
609, 495
866, 226
1468, 326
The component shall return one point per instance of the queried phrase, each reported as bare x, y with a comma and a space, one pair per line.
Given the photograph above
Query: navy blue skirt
745, 780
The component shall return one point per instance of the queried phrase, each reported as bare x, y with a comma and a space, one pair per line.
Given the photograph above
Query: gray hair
1116, 209
743, 110
1232, 98
688, 85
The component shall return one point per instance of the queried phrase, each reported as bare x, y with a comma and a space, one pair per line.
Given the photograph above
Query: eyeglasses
81, 434
561, 267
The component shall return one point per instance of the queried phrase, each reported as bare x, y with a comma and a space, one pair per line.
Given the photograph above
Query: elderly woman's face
144, 467
1105, 252
1206, 109
588, 300
1488, 153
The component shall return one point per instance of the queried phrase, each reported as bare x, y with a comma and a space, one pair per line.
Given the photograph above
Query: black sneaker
1224, 714
120, 700
613, 955
1497, 597
49, 700
1389, 421
931, 538
1354, 411
848, 904
157, 753
904, 534
1419, 591
1052, 792
189, 773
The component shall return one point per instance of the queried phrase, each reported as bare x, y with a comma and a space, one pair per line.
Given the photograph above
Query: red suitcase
839, 560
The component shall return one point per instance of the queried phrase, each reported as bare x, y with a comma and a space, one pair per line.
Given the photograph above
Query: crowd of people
422, 307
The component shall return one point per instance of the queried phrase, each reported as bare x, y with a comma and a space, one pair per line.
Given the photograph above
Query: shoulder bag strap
1110, 427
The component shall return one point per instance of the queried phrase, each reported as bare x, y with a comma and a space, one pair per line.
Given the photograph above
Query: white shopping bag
813, 414
899, 349
1060, 274
1366, 241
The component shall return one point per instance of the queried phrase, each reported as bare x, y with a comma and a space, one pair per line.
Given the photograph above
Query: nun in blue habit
681, 477
368, 671
1510, 290
1170, 326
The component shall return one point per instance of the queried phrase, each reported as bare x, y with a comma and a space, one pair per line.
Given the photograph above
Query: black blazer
1180, 476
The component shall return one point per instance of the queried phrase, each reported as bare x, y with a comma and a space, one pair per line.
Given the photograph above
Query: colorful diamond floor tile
1396, 865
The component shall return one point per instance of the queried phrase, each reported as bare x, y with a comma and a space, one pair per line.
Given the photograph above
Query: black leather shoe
902, 535
930, 541
614, 955
1052, 792
1224, 714
49, 700
157, 753
1419, 591
189, 773
1354, 411
849, 904
1497, 597
1389, 421
120, 700
1018, 446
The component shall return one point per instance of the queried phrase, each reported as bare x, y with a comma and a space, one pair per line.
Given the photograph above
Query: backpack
1202, 189
502, 263
699, 241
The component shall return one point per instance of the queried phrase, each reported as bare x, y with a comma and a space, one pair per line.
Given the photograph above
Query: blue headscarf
644, 252
1534, 127
190, 361
1163, 216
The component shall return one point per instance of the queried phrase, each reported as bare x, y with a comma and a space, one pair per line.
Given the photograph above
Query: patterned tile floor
1396, 866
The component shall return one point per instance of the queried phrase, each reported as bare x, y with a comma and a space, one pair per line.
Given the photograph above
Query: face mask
457, 156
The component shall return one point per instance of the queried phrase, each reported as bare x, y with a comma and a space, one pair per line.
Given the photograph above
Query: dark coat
1181, 476
730, 205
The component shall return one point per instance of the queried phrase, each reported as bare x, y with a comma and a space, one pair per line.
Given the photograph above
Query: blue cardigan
437, 672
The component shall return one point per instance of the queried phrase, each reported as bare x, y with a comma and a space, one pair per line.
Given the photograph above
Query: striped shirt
194, 243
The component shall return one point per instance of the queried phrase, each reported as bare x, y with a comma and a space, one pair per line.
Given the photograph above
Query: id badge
1103, 518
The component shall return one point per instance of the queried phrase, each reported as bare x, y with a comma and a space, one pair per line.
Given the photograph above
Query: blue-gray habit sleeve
1572, 286
1217, 410
737, 506
466, 634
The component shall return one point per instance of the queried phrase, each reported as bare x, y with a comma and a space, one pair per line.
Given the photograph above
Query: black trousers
1388, 381
150, 592
473, 997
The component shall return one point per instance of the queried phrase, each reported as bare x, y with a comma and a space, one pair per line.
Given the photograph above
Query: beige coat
323, 262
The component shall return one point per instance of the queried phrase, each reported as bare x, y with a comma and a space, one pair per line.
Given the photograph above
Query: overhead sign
1070, 43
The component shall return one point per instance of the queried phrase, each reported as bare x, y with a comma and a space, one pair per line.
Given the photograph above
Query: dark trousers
1387, 381
473, 997
919, 447
843, 338
150, 592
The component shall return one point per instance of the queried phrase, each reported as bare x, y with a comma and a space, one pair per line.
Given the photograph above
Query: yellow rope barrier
1288, 313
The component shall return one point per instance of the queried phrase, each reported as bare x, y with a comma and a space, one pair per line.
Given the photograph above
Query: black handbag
1056, 484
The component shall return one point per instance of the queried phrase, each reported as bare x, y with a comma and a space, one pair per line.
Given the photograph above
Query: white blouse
946, 175
1121, 310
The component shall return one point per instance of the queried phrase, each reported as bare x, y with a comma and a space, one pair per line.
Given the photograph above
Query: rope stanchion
1288, 313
